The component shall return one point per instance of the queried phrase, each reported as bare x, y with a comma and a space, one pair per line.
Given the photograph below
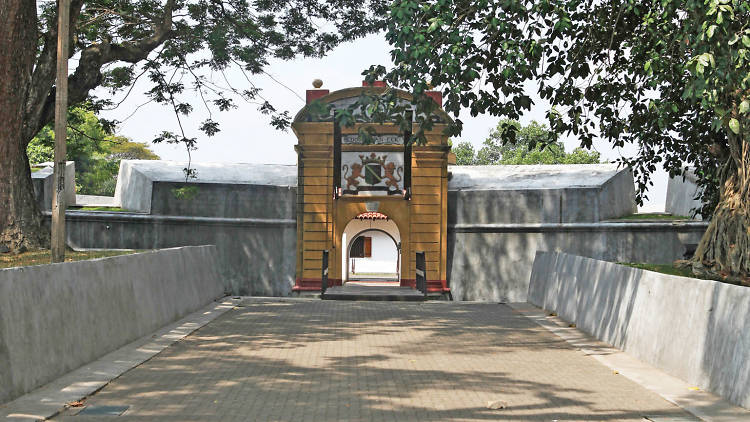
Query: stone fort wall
498, 218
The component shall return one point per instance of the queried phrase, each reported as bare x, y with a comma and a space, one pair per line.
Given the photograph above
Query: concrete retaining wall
492, 262
137, 188
539, 194
43, 188
225, 200
133, 190
255, 256
55, 318
498, 217
681, 195
696, 330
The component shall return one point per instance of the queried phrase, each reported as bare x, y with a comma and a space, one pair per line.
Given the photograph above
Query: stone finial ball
317, 83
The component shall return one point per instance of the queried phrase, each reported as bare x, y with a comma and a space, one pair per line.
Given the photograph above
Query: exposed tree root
724, 250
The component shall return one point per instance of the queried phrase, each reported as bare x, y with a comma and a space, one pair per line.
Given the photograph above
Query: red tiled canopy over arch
372, 215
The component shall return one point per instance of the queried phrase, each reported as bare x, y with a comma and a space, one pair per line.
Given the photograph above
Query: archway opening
372, 251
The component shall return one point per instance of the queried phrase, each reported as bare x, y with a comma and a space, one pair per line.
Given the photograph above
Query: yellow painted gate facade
341, 178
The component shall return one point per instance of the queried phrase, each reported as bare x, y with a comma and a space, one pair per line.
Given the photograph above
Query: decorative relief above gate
372, 173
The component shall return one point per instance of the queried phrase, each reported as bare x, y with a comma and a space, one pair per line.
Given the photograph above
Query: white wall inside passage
385, 258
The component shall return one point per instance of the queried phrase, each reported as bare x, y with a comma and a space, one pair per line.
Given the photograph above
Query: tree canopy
627, 72
185, 47
530, 147
671, 77
182, 49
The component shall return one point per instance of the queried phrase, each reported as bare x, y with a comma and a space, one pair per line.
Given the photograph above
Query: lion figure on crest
351, 180
390, 179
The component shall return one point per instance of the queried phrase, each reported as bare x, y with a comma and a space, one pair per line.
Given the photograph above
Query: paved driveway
300, 360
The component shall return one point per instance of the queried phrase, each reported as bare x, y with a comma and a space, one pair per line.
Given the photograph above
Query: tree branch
137, 51
43, 78
88, 76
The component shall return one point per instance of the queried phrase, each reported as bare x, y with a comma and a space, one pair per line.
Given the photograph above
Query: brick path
312, 360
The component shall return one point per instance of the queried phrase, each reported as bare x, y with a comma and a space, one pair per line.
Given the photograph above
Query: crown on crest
373, 159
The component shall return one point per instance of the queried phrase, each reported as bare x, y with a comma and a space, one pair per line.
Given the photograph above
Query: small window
361, 248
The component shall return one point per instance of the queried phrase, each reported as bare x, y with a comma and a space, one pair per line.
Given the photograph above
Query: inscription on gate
374, 140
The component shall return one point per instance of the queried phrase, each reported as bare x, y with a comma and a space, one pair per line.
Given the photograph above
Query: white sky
247, 137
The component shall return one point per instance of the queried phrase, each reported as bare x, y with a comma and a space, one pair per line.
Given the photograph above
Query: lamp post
61, 127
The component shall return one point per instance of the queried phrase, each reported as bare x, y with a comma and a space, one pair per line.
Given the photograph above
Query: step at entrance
352, 291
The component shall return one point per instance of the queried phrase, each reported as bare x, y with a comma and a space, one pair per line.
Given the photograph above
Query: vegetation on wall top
531, 146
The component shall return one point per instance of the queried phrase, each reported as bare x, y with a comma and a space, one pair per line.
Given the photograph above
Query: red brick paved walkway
312, 360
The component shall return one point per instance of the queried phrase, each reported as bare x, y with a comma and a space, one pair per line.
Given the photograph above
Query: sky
247, 137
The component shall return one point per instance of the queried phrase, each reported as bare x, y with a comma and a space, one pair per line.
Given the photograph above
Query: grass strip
44, 256
655, 216
110, 209
661, 268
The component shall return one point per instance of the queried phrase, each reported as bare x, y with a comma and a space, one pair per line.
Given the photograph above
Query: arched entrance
372, 249
342, 173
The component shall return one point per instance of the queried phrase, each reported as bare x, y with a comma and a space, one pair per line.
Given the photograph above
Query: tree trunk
20, 220
725, 247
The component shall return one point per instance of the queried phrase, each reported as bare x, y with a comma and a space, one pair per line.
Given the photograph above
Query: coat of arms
373, 173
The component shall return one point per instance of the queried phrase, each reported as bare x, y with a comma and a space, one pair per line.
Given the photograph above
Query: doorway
372, 251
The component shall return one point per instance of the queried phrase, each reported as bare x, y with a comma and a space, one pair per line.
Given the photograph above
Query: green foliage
464, 153
552, 154
97, 154
530, 146
99, 179
39, 152
120, 148
186, 193
84, 137
668, 76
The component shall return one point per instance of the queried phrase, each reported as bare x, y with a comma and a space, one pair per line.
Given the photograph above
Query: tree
97, 154
20, 220
530, 147
120, 148
85, 140
183, 47
464, 153
672, 77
